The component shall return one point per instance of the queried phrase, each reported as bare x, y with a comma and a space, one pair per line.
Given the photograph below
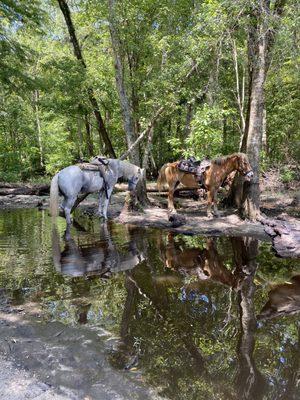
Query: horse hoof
210, 216
172, 211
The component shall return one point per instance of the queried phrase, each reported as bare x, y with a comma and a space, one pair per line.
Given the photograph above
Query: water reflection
284, 299
196, 315
100, 257
204, 263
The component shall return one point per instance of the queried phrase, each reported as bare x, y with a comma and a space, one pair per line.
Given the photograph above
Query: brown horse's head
244, 167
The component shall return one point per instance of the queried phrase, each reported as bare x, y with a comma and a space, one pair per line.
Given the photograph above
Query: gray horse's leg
69, 203
106, 202
79, 199
101, 197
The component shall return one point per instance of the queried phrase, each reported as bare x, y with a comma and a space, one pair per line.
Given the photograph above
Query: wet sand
40, 360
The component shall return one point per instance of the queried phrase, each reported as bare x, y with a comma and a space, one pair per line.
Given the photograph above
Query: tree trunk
264, 132
239, 97
89, 138
103, 135
257, 39
260, 41
80, 139
38, 125
128, 121
188, 118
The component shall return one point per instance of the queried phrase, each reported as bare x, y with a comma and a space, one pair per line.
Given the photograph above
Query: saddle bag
195, 167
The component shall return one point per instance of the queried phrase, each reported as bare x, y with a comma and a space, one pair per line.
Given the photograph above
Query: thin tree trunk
264, 131
146, 132
80, 139
237, 81
128, 121
148, 148
188, 119
103, 135
89, 138
250, 206
38, 125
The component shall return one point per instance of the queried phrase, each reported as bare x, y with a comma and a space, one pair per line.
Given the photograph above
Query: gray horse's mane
125, 169
224, 159
128, 170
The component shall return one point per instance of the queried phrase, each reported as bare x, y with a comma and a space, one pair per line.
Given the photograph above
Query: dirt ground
55, 361
274, 203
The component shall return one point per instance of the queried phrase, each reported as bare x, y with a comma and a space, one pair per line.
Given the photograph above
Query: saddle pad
190, 165
89, 167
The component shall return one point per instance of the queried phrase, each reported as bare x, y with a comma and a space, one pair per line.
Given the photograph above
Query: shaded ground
59, 361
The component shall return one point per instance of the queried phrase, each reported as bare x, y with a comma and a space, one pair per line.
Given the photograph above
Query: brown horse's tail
161, 181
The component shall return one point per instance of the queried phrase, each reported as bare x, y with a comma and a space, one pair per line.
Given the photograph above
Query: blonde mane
223, 160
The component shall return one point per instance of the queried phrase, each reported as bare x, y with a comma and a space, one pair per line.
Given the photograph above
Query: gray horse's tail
54, 197
56, 251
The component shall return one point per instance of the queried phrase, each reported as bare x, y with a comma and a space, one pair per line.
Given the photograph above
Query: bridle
247, 174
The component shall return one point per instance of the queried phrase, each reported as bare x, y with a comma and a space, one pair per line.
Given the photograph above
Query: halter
247, 174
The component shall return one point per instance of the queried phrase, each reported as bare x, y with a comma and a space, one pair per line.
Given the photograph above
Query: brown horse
214, 176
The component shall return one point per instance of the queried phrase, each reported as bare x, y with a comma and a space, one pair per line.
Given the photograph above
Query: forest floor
275, 201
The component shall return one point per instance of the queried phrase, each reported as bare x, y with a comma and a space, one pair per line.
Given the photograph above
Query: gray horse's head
134, 179
99, 160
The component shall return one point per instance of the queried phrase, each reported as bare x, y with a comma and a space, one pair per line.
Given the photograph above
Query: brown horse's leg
172, 188
209, 203
216, 211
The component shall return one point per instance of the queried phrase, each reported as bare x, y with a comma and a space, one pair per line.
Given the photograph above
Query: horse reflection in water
208, 265
284, 299
101, 258
204, 263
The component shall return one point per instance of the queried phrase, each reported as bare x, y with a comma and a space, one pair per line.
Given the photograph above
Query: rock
176, 219
285, 236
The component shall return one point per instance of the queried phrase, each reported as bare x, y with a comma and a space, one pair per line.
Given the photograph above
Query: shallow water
200, 318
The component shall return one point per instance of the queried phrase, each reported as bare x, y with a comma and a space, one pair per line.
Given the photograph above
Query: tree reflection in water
193, 315
207, 265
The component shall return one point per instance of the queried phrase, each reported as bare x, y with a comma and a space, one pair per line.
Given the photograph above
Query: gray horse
75, 184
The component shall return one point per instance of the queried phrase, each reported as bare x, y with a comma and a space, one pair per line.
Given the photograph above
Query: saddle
97, 164
195, 167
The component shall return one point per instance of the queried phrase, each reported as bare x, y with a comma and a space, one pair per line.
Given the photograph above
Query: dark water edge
192, 316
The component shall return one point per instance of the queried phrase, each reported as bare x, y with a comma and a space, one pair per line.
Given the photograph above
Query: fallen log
285, 235
10, 189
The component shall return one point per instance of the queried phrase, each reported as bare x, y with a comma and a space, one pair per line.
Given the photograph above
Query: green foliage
175, 55
206, 135
287, 175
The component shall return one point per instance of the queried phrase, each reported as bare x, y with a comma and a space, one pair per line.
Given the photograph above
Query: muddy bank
54, 361
18, 384
23, 201
194, 212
